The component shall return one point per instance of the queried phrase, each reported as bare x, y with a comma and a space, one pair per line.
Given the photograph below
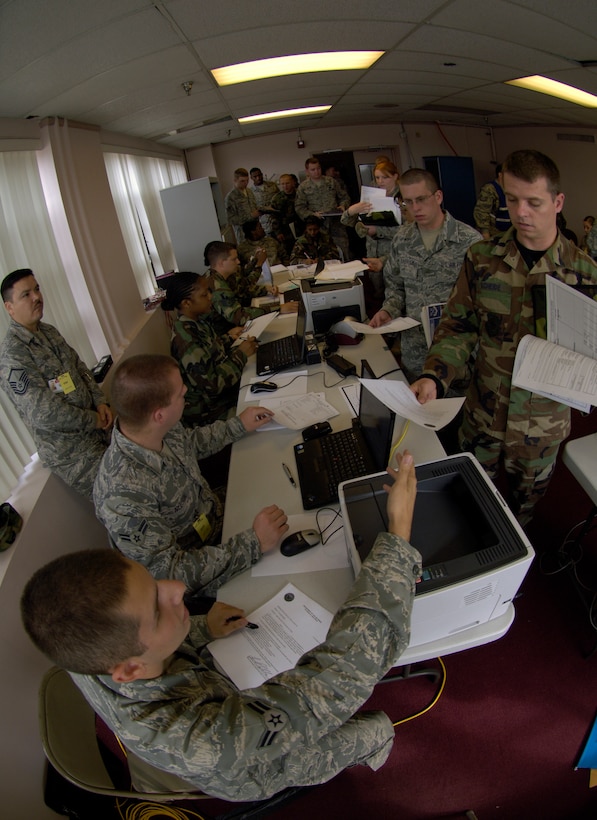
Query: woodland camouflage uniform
491, 307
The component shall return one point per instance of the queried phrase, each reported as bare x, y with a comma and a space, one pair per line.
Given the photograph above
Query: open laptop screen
376, 422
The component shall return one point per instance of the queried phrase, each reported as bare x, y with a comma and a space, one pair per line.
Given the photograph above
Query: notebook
271, 357
361, 450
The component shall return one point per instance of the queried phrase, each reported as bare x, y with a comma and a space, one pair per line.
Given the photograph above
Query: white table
257, 479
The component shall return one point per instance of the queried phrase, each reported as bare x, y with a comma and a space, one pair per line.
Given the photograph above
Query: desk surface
257, 480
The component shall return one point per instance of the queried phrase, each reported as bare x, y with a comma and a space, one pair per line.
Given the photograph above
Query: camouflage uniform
150, 501
230, 300
591, 240
286, 216
264, 195
491, 309
324, 196
276, 253
63, 425
306, 248
377, 246
299, 728
240, 209
415, 277
211, 369
490, 211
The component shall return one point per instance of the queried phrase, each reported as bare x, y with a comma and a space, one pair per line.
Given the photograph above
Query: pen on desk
286, 469
238, 617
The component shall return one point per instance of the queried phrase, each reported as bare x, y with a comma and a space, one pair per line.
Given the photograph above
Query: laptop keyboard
342, 458
281, 353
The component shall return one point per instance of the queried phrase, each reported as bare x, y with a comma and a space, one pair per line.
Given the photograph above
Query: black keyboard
342, 458
278, 354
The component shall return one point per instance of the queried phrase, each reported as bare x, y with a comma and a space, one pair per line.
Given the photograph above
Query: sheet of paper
398, 397
343, 270
571, 318
331, 555
289, 385
380, 202
301, 411
352, 395
255, 327
553, 371
290, 624
393, 326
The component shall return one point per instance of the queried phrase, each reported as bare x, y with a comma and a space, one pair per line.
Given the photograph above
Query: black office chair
68, 733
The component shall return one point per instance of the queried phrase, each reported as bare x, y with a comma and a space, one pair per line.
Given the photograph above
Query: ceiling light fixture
555, 89
290, 112
295, 64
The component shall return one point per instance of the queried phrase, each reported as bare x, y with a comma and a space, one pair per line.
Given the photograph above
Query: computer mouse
298, 542
263, 387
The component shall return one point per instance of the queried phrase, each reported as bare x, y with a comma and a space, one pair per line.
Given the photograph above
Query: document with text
288, 625
555, 372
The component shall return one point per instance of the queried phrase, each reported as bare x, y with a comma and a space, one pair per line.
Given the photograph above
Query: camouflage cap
10, 525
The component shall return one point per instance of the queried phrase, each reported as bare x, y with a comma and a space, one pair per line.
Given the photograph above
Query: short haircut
217, 251
250, 225
11, 280
141, 386
241, 172
312, 161
414, 175
255, 169
72, 611
313, 220
590, 219
498, 169
286, 176
387, 167
530, 165
179, 287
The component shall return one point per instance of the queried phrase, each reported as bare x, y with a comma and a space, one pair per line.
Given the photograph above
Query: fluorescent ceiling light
290, 112
295, 64
555, 89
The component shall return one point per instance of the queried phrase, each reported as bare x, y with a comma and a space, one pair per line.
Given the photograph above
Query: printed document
289, 625
393, 326
398, 397
298, 412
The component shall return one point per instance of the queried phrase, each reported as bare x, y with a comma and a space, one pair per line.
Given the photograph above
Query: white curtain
27, 241
135, 183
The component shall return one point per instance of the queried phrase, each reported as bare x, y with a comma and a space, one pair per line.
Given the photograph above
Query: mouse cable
337, 514
436, 697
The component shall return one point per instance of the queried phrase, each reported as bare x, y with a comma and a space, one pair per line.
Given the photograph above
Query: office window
135, 183
27, 241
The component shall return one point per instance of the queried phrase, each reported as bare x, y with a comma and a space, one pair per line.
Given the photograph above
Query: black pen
286, 469
238, 617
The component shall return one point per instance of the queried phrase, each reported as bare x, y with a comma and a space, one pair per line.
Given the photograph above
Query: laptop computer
362, 449
281, 354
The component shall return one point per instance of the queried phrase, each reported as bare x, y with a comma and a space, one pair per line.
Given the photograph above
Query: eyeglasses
420, 200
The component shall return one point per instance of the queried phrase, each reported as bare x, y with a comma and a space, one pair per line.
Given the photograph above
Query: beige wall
278, 153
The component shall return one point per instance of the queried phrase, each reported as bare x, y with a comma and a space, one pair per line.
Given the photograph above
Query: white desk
257, 479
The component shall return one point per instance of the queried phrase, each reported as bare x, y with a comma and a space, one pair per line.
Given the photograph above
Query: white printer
329, 302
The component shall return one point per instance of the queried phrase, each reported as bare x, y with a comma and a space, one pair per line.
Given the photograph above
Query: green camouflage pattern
63, 426
591, 241
377, 246
240, 207
306, 249
486, 208
415, 277
276, 253
264, 195
297, 729
211, 369
324, 196
489, 311
148, 502
230, 300
286, 216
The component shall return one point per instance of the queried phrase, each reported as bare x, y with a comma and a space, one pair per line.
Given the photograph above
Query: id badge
202, 527
62, 384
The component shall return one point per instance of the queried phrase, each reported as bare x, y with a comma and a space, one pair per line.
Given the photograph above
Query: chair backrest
68, 736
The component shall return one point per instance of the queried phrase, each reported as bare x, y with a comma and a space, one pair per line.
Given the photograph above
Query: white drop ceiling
120, 64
